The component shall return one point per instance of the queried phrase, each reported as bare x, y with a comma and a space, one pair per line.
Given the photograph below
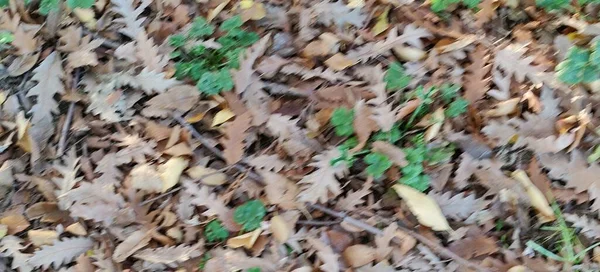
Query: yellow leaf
356, 3
256, 12
23, 139
280, 229
245, 240
42, 237
339, 62
246, 4
423, 207
76, 229
222, 117
3, 231
171, 171
503, 108
214, 12
382, 22
536, 197
207, 176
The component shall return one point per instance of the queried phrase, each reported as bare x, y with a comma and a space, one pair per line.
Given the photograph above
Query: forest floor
299, 135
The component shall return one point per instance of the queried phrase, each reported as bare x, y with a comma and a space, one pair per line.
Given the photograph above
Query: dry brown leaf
12, 246
22, 64
279, 190
487, 11
339, 62
363, 124
539, 179
359, 255
460, 206
15, 223
76, 229
354, 199
235, 136
383, 242
328, 258
590, 227
319, 72
477, 80
181, 98
474, 247
135, 241
49, 75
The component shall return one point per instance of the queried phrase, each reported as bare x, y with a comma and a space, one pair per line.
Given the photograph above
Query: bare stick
65, 130
435, 247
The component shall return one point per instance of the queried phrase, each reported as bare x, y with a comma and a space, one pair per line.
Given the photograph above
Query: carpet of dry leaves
110, 163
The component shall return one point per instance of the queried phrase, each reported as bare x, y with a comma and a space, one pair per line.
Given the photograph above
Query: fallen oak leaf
339, 62
363, 124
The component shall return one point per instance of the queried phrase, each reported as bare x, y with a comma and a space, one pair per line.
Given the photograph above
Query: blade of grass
540, 249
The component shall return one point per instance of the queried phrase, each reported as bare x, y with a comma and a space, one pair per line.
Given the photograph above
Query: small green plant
395, 77
3, 3
581, 65
554, 5
204, 260
250, 214
442, 5
208, 65
215, 232
342, 120
447, 93
419, 155
253, 269
6, 37
569, 247
378, 164
49, 5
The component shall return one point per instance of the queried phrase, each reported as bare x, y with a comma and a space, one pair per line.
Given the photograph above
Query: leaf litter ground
267, 135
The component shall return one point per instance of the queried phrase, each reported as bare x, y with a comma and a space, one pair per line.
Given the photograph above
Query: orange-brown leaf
477, 79
235, 134
363, 124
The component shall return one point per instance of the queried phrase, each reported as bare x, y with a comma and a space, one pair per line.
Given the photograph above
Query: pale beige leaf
474, 246
61, 252
280, 229
460, 206
242, 77
325, 254
201, 196
130, 15
354, 199
383, 242
306, 73
134, 241
148, 53
68, 171
590, 227
22, 64
11, 246
536, 197
513, 62
279, 190
411, 35
322, 184
145, 177
182, 98
84, 55
267, 162
384, 116
423, 207
339, 14
49, 75
152, 81
171, 171
169, 255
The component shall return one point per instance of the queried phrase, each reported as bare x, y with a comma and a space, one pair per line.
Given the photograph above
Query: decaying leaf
63, 251
171, 171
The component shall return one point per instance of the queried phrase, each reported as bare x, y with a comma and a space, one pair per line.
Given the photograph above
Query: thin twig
435, 247
65, 130
319, 223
